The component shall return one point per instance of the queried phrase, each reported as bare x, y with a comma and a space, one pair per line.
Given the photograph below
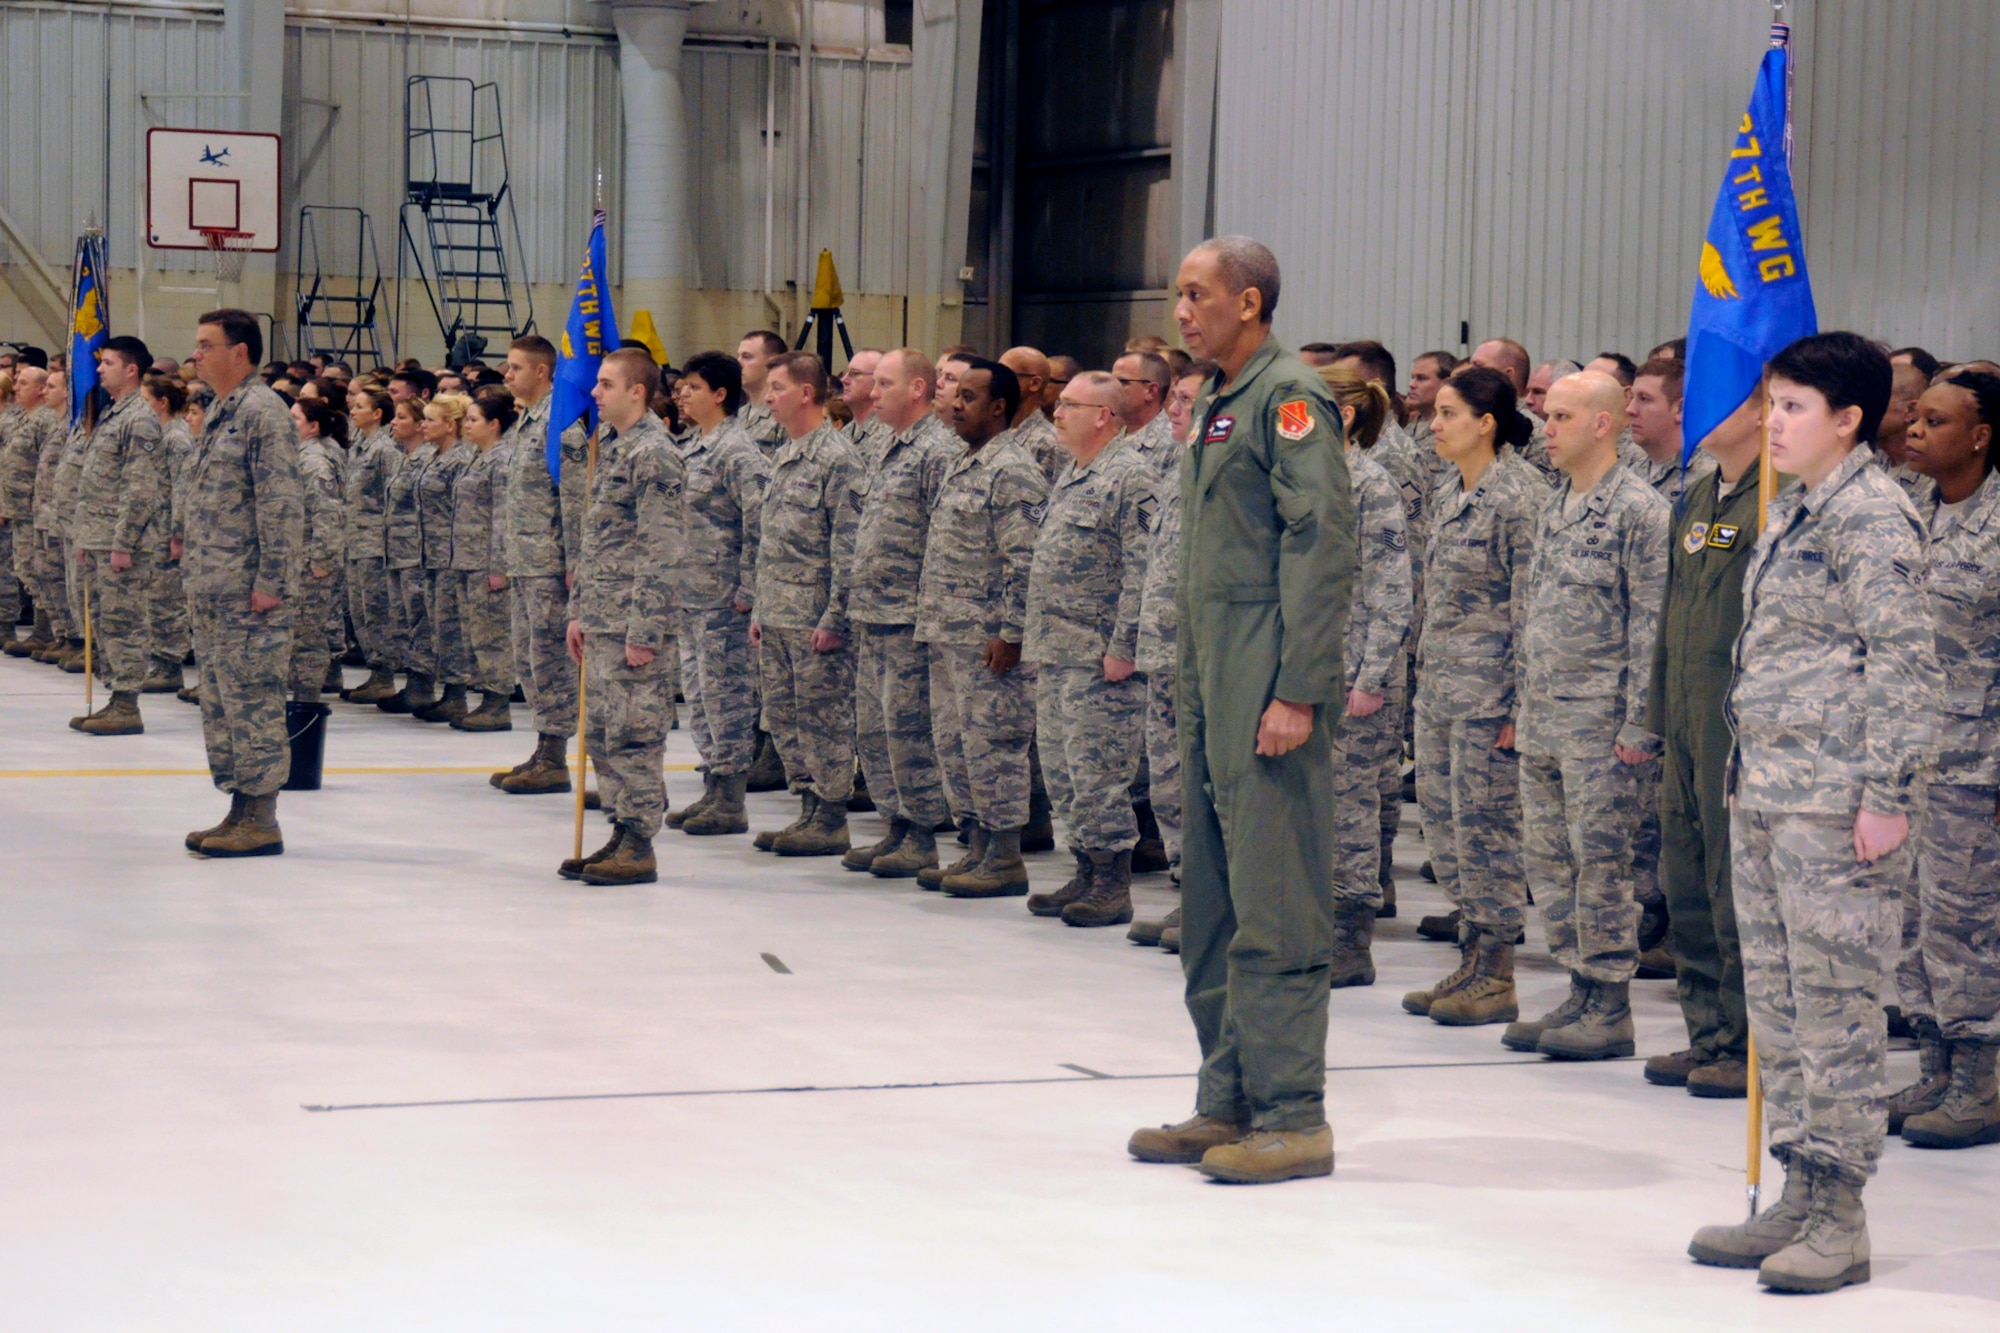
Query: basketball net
228, 248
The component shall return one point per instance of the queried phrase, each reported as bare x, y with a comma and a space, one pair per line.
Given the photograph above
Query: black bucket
305, 724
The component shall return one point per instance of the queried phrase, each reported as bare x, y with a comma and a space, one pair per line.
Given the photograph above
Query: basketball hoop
228, 248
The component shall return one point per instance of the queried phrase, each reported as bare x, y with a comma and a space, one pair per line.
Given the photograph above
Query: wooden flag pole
582, 678
89, 662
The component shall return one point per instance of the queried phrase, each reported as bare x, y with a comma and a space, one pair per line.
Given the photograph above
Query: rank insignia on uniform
854, 499
1723, 536
671, 488
1394, 539
1218, 430
1034, 513
1697, 533
1295, 419
1149, 513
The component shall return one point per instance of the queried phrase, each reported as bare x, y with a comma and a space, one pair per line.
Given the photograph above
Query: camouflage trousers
981, 725
1647, 842
1816, 925
1950, 971
718, 680
311, 653
631, 711
410, 601
483, 614
242, 657
892, 723
167, 602
368, 608
1579, 822
1091, 732
1361, 748
48, 581
809, 711
448, 643
1469, 794
1389, 778
10, 582
1694, 875
121, 616
542, 664
1163, 760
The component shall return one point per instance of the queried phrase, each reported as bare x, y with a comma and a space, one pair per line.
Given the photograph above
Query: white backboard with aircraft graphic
214, 179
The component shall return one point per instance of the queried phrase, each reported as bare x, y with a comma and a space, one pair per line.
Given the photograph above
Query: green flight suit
1692, 666
1268, 550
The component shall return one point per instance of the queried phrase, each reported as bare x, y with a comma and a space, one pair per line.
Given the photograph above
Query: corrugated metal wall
1544, 168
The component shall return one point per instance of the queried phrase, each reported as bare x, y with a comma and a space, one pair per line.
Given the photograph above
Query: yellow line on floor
357, 770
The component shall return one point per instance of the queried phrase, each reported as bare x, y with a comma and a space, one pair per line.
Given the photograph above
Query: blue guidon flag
89, 324
1753, 296
589, 332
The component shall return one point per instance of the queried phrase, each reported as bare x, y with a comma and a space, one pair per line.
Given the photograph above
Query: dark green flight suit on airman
1267, 571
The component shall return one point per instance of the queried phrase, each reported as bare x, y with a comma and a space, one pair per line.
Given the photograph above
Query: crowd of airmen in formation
954, 579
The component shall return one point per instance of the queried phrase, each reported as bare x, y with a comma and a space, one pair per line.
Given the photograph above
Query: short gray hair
1245, 263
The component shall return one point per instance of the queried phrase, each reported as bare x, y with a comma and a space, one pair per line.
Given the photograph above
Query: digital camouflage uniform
244, 529
762, 428
52, 573
371, 464
17, 499
1595, 583
123, 500
1156, 447
478, 540
323, 557
1267, 575
1037, 435
1412, 462
805, 551
1475, 601
168, 599
1158, 661
1834, 707
1377, 629
1084, 587
436, 486
409, 588
726, 479
975, 589
626, 596
537, 524
892, 693
1950, 969
69, 479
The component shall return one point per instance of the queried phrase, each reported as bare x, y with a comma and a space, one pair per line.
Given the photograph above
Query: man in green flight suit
1268, 549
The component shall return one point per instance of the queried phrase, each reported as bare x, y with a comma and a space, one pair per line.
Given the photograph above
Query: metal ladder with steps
339, 296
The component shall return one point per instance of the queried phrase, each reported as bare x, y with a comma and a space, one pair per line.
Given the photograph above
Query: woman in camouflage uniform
409, 590
478, 533
322, 434
444, 427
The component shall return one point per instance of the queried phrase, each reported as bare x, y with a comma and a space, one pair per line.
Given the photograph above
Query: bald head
29, 383
1032, 369
1506, 356
1586, 413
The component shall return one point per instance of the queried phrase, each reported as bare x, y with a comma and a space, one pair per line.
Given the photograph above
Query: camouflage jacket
870, 438
17, 467
1159, 615
478, 511
1965, 596
531, 508
632, 533
1403, 459
574, 500
245, 521
123, 490
899, 489
1475, 591
436, 486
1667, 478
1155, 445
726, 479
403, 533
371, 464
1837, 688
180, 466
326, 504
69, 479
1037, 435
805, 549
1595, 584
51, 437
982, 543
1384, 588
1089, 564
762, 428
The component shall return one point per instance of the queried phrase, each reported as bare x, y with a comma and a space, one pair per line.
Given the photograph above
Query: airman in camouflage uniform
624, 609
1033, 429
1082, 635
727, 479
17, 503
436, 486
1834, 707
325, 555
478, 558
805, 554
50, 435
1595, 585
242, 533
167, 598
1158, 661
971, 609
121, 517
371, 465
409, 590
69, 477
892, 699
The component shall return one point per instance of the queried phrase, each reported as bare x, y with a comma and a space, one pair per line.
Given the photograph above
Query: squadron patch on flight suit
1697, 533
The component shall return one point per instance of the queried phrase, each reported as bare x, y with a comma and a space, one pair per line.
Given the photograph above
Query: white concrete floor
405, 1078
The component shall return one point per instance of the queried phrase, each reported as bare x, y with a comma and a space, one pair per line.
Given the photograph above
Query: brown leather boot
1933, 1076
1001, 873
676, 818
1419, 1002
862, 858
450, 706
1271, 1155
195, 839
768, 839
163, 678
1968, 1115
415, 694
932, 877
1488, 994
380, 685
119, 717
916, 853
1170, 933
1148, 933
493, 714
825, 834
1108, 901
631, 863
1052, 902
545, 773
256, 833
572, 866
725, 815
1353, 938
1183, 1144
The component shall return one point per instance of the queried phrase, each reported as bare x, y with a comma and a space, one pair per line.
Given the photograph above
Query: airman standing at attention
857, 390
24, 444
1144, 380
371, 463
324, 551
754, 354
403, 547
1032, 430
479, 558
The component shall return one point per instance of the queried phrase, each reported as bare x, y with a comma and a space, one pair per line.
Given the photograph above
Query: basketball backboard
215, 179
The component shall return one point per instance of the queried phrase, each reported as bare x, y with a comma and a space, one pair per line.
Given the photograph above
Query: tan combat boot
494, 713
1725, 1077
1832, 1251
1108, 901
1969, 1113
825, 834
1601, 1031
1148, 932
631, 863
1353, 941
164, 678
1933, 1076
767, 767
1170, 932
932, 877
1000, 873
1419, 1001
119, 717
1526, 1034
1184, 1144
768, 839
380, 685
572, 866
863, 858
1268, 1156
914, 855
236, 802
545, 773
450, 706
1670, 1070
1748, 1244
1488, 994
725, 814
1052, 902
676, 818
256, 833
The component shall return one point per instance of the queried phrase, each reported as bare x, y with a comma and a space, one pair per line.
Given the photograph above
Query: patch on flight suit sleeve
1295, 419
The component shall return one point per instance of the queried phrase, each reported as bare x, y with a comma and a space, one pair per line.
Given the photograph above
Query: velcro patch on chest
1219, 429
1697, 533
1295, 419
1723, 536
